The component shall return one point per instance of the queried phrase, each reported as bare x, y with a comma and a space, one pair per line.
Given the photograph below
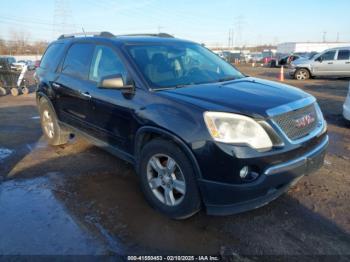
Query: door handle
330, 63
56, 85
86, 94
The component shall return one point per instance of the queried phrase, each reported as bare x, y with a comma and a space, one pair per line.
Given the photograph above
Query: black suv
198, 132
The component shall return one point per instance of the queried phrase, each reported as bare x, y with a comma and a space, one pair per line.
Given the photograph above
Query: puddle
4, 153
34, 222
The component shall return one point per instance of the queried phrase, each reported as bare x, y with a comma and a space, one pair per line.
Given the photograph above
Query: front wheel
301, 74
167, 180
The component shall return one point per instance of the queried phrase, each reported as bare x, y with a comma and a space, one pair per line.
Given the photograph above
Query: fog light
247, 174
244, 172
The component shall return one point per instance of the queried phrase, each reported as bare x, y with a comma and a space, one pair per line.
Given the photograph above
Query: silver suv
333, 62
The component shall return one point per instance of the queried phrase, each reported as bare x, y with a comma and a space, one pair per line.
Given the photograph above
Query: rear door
342, 63
325, 67
72, 87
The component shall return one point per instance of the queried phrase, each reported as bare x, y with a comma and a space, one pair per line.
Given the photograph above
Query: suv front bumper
224, 199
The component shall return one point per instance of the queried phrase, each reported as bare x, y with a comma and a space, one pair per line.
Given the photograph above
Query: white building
301, 47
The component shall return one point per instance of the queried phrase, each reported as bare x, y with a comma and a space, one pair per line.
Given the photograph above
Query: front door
110, 111
325, 66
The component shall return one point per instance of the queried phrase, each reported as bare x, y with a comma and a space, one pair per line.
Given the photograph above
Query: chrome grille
296, 124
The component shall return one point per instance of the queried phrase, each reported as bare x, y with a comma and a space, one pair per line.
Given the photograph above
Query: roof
122, 39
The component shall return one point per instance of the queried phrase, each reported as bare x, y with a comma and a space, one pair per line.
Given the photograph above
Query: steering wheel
193, 70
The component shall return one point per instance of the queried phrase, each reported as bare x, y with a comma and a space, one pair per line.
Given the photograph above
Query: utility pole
62, 19
229, 38
324, 36
238, 25
337, 36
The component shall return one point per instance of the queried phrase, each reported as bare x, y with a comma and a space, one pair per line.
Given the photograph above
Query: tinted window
343, 54
328, 56
52, 56
77, 61
11, 60
106, 62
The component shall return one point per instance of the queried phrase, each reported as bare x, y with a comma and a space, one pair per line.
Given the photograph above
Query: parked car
20, 64
256, 57
198, 132
346, 106
36, 63
231, 57
284, 60
8, 61
333, 62
31, 65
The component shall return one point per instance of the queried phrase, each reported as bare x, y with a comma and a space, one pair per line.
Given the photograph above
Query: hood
248, 96
301, 61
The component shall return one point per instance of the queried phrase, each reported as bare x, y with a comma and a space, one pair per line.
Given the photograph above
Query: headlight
238, 129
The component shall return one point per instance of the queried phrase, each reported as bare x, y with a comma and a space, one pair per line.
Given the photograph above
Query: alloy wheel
166, 179
302, 75
48, 124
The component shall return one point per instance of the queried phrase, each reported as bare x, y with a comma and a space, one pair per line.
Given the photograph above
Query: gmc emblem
304, 120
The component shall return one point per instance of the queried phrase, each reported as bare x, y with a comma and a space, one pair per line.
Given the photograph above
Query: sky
253, 22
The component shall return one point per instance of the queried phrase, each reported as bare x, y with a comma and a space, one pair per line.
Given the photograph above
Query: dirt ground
78, 199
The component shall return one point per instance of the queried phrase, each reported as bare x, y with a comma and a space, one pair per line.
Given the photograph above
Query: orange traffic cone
281, 76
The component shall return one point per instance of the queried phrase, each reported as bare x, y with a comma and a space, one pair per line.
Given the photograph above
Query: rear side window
78, 59
343, 55
52, 56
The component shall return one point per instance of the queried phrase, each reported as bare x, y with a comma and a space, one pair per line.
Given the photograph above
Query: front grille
297, 123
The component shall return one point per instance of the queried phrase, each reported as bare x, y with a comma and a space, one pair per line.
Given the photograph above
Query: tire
3, 91
25, 90
54, 134
302, 74
14, 91
178, 204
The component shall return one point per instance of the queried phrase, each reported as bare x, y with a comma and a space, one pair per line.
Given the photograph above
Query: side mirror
319, 59
114, 82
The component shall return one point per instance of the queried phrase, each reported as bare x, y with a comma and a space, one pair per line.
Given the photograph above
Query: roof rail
84, 34
166, 35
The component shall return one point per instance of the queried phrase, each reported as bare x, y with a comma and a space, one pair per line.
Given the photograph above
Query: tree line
20, 44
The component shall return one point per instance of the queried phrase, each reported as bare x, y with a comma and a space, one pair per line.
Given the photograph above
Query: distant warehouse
305, 47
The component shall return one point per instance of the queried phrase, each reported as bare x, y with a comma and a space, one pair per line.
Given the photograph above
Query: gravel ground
78, 199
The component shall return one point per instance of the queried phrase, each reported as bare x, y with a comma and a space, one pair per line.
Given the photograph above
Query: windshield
176, 65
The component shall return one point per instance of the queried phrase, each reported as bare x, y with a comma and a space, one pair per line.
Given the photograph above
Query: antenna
82, 28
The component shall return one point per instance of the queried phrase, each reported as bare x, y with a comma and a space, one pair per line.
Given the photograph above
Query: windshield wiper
170, 87
226, 79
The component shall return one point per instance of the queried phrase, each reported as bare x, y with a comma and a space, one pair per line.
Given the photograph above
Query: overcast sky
206, 21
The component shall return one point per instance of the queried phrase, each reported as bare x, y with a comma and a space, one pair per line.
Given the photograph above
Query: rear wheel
302, 74
167, 179
54, 134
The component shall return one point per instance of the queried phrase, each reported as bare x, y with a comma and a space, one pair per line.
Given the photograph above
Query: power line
62, 19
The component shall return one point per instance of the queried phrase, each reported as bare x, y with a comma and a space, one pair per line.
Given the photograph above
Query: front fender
146, 130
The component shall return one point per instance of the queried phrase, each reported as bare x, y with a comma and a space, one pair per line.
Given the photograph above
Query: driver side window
328, 56
106, 62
